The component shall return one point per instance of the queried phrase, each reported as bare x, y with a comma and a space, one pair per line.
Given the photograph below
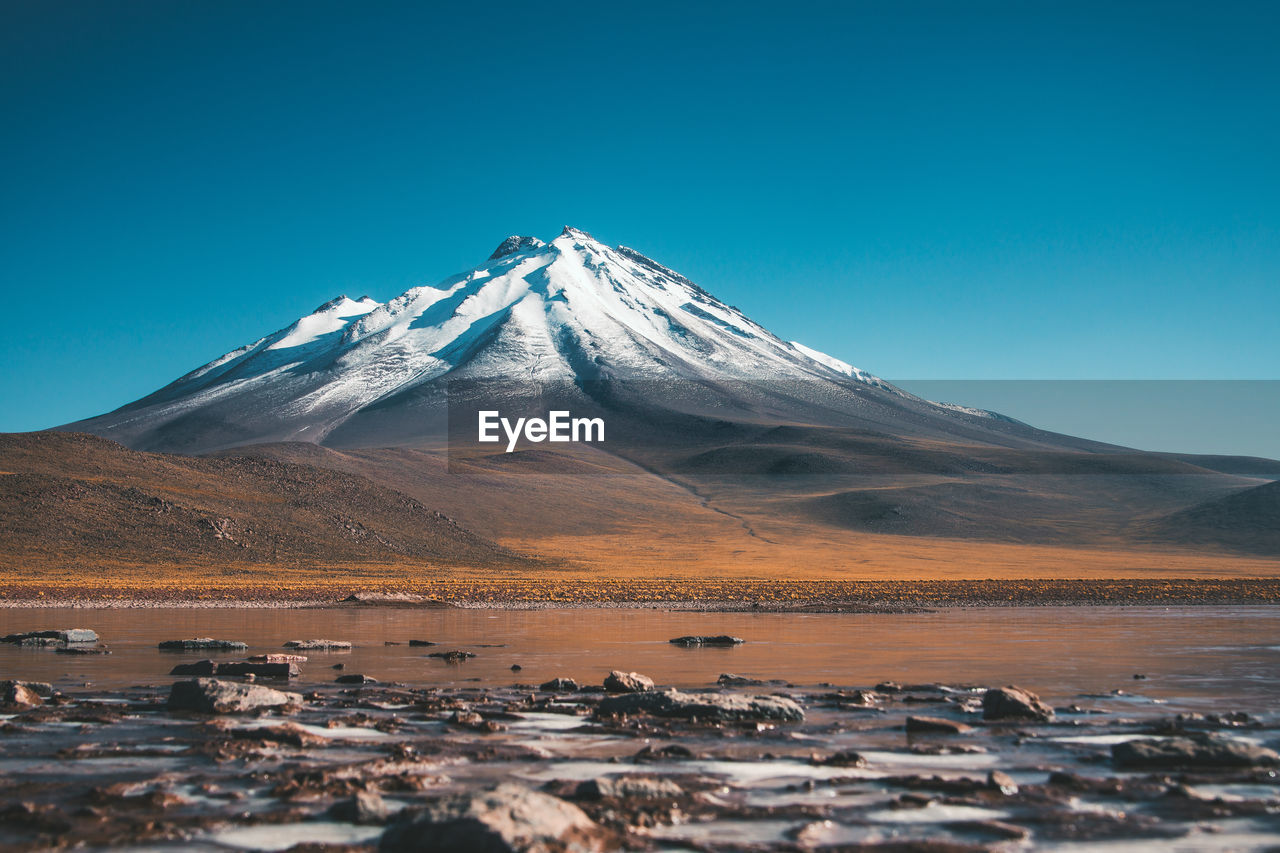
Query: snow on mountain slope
571, 310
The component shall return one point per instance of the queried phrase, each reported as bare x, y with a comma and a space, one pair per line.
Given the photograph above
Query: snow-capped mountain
572, 313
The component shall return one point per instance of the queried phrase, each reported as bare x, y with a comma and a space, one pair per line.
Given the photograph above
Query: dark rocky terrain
338, 761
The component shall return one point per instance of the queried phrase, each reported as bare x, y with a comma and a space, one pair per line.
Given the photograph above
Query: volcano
572, 316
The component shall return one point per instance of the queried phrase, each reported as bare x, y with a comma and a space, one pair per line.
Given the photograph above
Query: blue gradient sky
956, 190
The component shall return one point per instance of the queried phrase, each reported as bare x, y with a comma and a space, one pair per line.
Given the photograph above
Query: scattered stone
278, 658
1137, 676
628, 788
844, 758
40, 642
888, 687
421, 643
356, 679
670, 752
454, 656
627, 682
82, 650
1014, 703
475, 722
17, 694
515, 667
507, 819
998, 780
61, 635
703, 706
200, 644
238, 668
288, 734
366, 807
559, 685
728, 679
935, 726
210, 696
318, 645
1180, 752
718, 640
366, 597
338, 666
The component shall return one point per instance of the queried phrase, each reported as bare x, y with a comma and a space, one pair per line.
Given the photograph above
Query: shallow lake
1201, 655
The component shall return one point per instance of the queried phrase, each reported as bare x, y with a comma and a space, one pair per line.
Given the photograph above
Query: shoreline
736, 596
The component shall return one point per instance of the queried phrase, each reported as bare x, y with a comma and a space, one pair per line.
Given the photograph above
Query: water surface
1201, 655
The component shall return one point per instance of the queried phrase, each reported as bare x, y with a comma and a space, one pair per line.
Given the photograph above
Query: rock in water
507, 819
202, 644
455, 656
210, 667
728, 679
718, 640
1014, 703
1177, 752
704, 706
628, 788
17, 694
62, 635
627, 682
356, 679
366, 807
318, 645
935, 726
210, 696
559, 685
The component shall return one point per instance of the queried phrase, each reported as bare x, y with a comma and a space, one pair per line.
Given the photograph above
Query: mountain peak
570, 231
516, 243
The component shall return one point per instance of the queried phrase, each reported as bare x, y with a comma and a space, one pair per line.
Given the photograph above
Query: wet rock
515, 667
1014, 703
318, 645
998, 780
888, 687
628, 788
670, 752
703, 706
1179, 752
16, 694
366, 807
201, 644
475, 722
60, 635
237, 668
935, 726
40, 642
844, 758
356, 678
507, 819
627, 682
454, 656
718, 640
559, 685
728, 679
210, 696
278, 658
421, 643
82, 650
287, 734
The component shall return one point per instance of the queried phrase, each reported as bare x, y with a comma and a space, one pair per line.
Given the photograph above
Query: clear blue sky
930, 190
